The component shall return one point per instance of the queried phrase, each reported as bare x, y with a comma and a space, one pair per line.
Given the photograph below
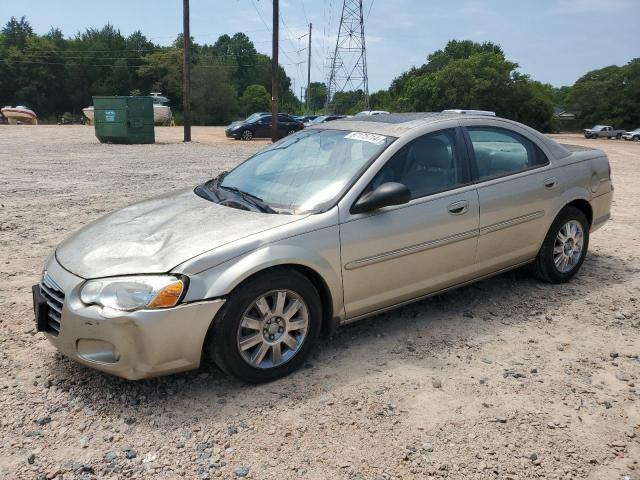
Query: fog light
98, 351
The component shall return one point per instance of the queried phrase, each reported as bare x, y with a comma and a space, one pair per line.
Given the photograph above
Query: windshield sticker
366, 137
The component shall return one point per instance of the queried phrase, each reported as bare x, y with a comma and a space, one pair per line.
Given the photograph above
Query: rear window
500, 152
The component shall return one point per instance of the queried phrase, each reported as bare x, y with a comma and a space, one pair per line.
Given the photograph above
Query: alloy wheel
247, 135
568, 246
273, 329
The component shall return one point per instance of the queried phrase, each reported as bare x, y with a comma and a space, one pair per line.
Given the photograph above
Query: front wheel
635, 139
564, 248
247, 135
267, 327
618, 136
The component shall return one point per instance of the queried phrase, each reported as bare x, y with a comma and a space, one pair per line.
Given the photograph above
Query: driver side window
427, 165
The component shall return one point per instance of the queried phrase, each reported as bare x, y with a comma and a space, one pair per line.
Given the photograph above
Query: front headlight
134, 292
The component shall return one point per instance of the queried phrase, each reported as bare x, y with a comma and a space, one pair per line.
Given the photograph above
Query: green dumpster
124, 119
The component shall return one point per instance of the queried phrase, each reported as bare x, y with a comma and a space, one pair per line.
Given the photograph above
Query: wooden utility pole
274, 72
309, 69
186, 71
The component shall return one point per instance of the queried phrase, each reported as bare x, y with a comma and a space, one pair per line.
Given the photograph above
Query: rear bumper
132, 345
601, 206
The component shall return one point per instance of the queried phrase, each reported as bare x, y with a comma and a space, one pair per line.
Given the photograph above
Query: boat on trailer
89, 113
161, 113
19, 115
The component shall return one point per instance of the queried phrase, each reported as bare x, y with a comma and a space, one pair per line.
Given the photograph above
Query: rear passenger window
427, 165
502, 152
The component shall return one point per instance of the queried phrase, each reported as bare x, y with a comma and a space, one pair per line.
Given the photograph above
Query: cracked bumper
132, 345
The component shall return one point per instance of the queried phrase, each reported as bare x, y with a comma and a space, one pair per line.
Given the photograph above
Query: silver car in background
333, 224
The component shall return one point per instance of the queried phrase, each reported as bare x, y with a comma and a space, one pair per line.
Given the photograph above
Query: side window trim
471, 154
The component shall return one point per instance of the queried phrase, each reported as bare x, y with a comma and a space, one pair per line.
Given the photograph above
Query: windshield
253, 117
308, 171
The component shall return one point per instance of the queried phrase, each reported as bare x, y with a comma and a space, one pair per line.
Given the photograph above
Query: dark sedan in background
260, 127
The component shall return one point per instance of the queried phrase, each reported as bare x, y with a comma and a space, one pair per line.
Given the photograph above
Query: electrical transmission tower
349, 61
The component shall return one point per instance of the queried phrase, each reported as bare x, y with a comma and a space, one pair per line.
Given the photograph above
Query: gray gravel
508, 378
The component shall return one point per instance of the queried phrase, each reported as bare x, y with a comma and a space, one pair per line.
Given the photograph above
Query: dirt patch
507, 378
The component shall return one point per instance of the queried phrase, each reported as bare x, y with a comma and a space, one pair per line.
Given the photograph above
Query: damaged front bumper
132, 345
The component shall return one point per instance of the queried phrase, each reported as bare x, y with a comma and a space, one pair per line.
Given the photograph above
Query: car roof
392, 124
400, 124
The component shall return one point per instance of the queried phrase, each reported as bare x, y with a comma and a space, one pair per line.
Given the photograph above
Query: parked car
326, 118
633, 135
341, 221
603, 131
306, 118
365, 113
260, 127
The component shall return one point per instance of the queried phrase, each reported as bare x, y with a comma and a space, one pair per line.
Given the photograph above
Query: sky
554, 41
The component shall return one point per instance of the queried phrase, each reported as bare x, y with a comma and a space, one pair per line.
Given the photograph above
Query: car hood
155, 235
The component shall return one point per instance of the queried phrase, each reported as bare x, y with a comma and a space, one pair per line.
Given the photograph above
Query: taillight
301, 125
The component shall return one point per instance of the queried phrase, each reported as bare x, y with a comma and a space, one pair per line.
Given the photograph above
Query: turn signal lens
168, 296
134, 292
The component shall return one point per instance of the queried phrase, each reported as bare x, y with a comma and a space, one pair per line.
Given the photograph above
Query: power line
108, 65
369, 12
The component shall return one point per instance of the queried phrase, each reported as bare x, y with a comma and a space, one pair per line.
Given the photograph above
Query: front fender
318, 250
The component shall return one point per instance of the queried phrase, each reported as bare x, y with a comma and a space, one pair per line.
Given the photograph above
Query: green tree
610, 95
473, 75
348, 102
317, 96
16, 33
238, 53
54, 74
560, 96
255, 99
214, 101
380, 100
163, 68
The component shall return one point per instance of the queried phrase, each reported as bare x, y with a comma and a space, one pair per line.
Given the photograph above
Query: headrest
429, 152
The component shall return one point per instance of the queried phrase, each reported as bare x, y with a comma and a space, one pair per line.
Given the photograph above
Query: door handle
551, 182
458, 208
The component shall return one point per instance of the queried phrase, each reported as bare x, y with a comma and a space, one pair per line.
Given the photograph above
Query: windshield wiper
250, 198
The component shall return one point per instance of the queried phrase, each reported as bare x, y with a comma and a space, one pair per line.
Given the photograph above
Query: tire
618, 136
544, 266
290, 132
246, 135
228, 328
635, 139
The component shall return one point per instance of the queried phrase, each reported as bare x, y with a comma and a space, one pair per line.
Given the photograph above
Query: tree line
472, 75
230, 79
52, 74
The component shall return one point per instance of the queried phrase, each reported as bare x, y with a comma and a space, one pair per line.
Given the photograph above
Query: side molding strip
511, 222
401, 252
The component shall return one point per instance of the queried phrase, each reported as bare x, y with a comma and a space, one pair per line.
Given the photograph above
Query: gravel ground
505, 379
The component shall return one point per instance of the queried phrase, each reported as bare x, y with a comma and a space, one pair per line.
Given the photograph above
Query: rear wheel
564, 248
267, 327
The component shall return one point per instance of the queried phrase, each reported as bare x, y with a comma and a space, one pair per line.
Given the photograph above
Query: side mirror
387, 194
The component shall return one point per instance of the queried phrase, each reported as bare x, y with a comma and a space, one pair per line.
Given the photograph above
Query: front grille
54, 296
